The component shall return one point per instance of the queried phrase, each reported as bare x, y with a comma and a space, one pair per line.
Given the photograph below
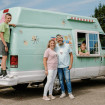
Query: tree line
99, 13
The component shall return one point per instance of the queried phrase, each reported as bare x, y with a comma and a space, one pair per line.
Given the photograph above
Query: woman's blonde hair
48, 46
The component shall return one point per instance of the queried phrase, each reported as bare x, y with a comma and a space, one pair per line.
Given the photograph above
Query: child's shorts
2, 49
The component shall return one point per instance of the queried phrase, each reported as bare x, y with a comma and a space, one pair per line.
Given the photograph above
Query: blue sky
78, 7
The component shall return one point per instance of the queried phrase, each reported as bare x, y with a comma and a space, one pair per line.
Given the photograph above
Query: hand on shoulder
14, 25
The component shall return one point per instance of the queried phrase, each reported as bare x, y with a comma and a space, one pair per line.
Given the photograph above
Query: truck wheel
20, 86
56, 88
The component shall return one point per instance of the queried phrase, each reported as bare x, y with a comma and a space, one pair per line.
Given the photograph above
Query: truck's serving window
102, 40
87, 42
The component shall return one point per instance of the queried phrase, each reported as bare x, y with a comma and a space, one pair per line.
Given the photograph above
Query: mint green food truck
29, 39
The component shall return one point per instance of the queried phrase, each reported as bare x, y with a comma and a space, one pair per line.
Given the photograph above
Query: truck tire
20, 86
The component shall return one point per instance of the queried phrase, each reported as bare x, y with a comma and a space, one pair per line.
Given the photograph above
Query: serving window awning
80, 19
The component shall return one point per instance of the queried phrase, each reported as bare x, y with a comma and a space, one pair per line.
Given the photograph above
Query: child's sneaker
1, 76
62, 95
4, 73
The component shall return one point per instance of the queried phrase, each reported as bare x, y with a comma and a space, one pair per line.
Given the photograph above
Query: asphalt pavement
87, 92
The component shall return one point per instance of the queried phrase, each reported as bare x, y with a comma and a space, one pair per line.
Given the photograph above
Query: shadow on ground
79, 87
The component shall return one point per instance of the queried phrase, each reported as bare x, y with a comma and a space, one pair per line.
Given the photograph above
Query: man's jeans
66, 73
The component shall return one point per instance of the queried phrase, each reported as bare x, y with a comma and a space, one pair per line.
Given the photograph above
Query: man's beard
61, 43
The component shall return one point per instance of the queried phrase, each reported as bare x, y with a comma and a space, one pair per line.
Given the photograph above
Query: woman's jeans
66, 73
50, 81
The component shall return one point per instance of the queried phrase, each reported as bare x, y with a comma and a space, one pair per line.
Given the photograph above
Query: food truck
29, 39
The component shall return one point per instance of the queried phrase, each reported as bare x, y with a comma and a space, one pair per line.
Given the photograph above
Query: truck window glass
93, 43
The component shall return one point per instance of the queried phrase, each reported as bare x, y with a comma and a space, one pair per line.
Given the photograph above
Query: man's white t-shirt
63, 55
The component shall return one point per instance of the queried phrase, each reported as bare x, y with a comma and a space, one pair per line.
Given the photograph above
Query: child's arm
87, 53
80, 53
12, 25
